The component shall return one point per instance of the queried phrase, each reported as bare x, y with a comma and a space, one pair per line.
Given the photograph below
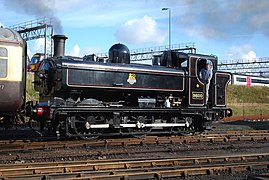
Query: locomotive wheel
186, 131
19, 119
139, 133
8, 121
80, 125
195, 126
190, 130
14, 120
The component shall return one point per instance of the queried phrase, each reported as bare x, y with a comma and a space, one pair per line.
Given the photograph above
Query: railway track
139, 168
231, 136
129, 151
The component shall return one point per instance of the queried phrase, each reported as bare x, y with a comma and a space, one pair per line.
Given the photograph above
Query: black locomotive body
90, 98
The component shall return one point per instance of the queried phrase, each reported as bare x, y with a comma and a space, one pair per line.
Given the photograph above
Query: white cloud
203, 32
29, 54
75, 51
80, 52
250, 56
1, 25
39, 45
141, 31
244, 51
35, 46
91, 50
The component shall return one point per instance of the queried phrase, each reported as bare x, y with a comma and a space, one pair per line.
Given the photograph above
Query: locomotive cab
196, 86
174, 59
217, 88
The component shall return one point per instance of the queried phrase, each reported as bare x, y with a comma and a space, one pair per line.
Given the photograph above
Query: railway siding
232, 136
172, 167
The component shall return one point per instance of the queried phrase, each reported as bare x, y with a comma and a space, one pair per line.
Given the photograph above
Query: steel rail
177, 172
113, 166
8, 146
129, 151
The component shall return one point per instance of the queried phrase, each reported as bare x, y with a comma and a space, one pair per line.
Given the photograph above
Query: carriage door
196, 87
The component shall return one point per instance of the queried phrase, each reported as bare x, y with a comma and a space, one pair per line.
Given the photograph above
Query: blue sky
230, 29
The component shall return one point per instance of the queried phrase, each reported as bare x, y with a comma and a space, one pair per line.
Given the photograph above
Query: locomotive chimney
59, 45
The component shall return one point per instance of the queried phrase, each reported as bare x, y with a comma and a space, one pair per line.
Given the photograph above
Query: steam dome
119, 53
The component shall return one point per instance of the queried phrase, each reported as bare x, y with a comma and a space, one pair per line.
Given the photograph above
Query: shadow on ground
241, 125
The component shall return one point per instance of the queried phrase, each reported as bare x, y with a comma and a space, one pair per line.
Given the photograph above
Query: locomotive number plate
197, 95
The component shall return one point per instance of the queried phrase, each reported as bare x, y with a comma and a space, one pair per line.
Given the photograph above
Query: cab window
202, 64
184, 64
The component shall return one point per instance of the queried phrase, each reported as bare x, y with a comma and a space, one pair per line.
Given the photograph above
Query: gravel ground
171, 151
166, 150
177, 150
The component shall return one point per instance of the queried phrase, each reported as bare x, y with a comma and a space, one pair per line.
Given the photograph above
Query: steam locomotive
88, 98
92, 97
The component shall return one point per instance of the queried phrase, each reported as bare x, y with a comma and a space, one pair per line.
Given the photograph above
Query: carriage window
265, 81
3, 52
3, 62
241, 79
262, 81
255, 80
3, 68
